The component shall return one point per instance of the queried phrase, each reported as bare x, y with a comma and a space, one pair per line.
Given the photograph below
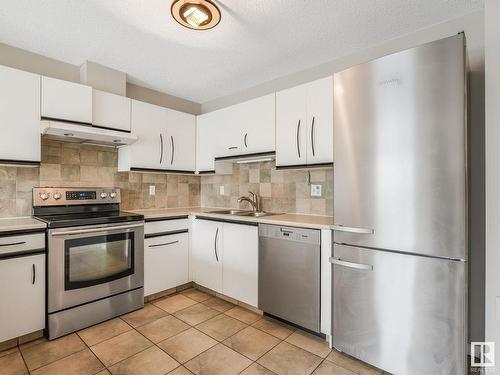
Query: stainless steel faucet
253, 199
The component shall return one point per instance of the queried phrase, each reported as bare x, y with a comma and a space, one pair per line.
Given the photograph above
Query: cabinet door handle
215, 245
233, 148
173, 149
161, 148
13, 243
312, 136
33, 279
164, 244
245, 140
298, 139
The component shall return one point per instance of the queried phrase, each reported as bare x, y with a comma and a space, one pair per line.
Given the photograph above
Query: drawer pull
164, 244
13, 244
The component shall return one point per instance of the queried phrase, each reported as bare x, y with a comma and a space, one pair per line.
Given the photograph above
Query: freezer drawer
289, 274
402, 313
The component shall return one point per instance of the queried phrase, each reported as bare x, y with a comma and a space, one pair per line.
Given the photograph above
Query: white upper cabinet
148, 123
19, 116
207, 138
181, 141
110, 111
68, 101
304, 124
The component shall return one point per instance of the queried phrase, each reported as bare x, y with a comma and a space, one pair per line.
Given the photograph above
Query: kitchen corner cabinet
22, 292
67, 101
304, 124
110, 111
19, 116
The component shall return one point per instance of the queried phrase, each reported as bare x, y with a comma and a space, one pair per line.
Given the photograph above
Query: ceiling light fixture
196, 14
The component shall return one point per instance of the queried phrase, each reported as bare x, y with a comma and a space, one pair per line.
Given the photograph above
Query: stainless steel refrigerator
400, 210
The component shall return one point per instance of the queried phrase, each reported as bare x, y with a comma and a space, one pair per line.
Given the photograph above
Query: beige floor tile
196, 314
103, 372
257, 369
218, 304
152, 361
12, 364
251, 342
174, 303
221, 327
149, 313
120, 347
8, 351
180, 371
163, 328
330, 368
82, 363
274, 327
196, 294
352, 364
290, 360
219, 360
44, 352
187, 345
313, 344
246, 316
106, 330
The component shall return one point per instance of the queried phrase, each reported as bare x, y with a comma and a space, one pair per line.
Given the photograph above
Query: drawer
10, 245
163, 226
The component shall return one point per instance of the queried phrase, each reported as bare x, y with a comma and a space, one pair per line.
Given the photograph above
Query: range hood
87, 134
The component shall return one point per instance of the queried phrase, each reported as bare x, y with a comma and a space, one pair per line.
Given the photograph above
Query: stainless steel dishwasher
289, 274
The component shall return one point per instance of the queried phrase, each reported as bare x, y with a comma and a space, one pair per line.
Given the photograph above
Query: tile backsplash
72, 164
286, 191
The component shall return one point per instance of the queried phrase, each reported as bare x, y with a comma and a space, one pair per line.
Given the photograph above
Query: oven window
96, 260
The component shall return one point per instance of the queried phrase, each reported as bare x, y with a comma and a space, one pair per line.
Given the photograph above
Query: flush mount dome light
195, 14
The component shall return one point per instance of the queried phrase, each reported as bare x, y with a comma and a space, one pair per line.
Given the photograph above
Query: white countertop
14, 224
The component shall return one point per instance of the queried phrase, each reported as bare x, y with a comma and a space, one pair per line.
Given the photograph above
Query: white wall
492, 71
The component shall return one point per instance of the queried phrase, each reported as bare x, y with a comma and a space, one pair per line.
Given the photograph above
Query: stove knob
104, 195
57, 196
112, 195
44, 196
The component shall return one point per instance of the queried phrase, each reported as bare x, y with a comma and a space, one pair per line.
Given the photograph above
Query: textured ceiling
256, 41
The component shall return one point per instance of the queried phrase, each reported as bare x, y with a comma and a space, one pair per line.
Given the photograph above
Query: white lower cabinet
240, 244
22, 292
166, 262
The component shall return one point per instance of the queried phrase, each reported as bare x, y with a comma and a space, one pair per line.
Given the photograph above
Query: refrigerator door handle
358, 266
341, 228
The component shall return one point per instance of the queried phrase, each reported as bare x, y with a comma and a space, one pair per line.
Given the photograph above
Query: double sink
243, 213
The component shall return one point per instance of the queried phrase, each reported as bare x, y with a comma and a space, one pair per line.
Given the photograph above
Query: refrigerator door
402, 313
400, 151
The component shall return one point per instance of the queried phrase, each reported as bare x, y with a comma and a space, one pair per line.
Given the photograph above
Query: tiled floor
188, 333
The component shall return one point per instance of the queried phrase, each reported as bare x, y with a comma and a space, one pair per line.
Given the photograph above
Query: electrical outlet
221, 190
152, 190
315, 190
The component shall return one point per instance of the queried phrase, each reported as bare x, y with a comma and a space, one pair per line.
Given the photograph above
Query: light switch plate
152, 190
221, 190
315, 190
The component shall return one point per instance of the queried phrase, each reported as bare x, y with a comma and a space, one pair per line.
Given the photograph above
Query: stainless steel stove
95, 266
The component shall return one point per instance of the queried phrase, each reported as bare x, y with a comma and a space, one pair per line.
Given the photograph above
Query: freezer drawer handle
358, 266
341, 228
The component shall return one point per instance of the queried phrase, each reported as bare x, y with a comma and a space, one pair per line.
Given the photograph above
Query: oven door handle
94, 230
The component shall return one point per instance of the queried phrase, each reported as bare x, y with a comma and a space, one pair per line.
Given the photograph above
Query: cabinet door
19, 115
148, 123
65, 100
291, 127
206, 140
320, 121
229, 136
240, 262
206, 254
110, 110
181, 141
22, 290
256, 122
165, 262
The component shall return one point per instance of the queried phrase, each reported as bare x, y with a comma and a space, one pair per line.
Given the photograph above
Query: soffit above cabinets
256, 41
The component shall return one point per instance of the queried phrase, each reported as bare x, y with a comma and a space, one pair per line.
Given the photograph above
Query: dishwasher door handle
344, 263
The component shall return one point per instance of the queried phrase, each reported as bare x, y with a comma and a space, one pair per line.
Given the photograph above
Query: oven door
93, 262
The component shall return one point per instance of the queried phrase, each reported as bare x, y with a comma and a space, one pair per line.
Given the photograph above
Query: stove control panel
51, 196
